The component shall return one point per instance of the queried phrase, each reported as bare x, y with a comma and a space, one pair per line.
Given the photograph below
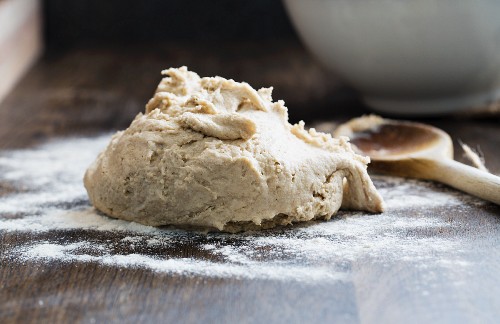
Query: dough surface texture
217, 154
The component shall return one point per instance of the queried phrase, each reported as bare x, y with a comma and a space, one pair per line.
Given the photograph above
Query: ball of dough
215, 153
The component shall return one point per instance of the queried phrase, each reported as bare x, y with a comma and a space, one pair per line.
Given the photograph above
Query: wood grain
87, 91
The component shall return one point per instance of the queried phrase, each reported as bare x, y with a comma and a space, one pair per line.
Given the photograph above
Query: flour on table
49, 198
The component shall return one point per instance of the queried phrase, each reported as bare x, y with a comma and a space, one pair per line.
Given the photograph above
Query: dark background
252, 41
125, 22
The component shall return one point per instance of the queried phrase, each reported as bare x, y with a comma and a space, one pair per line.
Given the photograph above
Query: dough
211, 152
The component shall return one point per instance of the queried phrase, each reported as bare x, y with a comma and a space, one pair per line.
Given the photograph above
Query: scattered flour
49, 197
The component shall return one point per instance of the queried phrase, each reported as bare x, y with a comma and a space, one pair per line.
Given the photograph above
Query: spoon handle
455, 174
466, 178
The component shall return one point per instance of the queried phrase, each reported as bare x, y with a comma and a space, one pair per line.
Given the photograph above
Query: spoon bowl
416, 150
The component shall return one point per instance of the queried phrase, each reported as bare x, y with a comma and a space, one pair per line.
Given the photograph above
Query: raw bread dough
216, 153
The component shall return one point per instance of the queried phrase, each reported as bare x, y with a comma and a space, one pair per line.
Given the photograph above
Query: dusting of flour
49, 198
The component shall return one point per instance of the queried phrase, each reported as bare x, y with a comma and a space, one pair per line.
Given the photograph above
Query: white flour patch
405, 193
49, 200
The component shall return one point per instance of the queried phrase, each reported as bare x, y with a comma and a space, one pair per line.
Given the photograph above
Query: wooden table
414, 264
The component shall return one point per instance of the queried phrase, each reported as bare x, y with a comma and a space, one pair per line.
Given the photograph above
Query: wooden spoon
419, 151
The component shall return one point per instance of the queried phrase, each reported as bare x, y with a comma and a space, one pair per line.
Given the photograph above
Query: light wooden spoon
419, 151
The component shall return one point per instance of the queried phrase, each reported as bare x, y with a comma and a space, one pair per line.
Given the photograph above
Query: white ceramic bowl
407, 57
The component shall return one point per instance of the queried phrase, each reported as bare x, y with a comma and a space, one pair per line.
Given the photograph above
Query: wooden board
432, 258
20, 40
